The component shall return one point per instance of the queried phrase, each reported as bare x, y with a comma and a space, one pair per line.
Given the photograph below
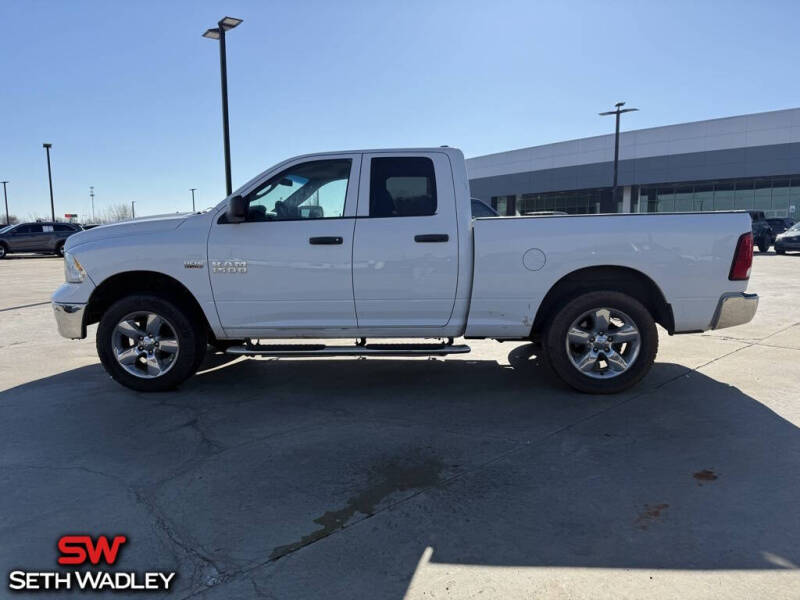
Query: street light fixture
47, 147
5, 196
218, 33
619, 110
91, 193
192, 190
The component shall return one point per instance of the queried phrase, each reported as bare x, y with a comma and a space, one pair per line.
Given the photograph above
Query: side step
358, 350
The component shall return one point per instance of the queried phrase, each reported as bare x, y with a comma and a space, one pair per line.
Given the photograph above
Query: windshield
795, 227
6, 228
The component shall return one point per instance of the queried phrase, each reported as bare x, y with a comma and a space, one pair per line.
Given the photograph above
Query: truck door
289, 265
405, 252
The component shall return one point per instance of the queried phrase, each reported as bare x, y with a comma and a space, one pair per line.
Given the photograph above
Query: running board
365, 350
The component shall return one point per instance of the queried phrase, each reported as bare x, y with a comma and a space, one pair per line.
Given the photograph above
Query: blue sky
128, 93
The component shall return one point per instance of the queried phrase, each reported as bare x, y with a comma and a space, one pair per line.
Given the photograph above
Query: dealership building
749, 162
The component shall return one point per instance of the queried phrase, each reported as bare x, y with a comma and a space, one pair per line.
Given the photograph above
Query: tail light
742, 258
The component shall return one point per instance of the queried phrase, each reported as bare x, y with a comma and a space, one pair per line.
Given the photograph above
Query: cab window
402, 187
310, 190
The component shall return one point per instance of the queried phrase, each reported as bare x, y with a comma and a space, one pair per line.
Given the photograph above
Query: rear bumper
69, 318
733, 309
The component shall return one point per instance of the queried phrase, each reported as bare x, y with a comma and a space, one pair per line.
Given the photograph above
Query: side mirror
237, 209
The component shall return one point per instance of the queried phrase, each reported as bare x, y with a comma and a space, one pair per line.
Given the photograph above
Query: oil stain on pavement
386, 478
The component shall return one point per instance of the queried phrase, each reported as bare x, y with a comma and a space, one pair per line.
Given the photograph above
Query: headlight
73, 270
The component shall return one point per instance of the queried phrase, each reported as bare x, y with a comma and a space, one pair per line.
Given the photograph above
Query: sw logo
77, 549
88, 551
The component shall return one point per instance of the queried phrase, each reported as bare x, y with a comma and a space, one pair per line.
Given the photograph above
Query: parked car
779, 225
481, 209
762, 232
36, 237
788, 240
298, 253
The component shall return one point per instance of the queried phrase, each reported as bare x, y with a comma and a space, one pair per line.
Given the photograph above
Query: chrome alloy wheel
603, 343
145, 344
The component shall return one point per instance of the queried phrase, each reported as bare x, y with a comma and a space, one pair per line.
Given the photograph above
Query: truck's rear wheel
601, 342
148, 344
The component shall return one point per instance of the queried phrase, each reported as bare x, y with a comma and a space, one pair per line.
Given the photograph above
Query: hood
155, 224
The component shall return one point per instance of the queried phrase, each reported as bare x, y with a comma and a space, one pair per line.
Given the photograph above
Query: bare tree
12, 219
114, 213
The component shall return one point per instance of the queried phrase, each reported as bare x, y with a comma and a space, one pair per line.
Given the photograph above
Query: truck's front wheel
149, 344
602, 342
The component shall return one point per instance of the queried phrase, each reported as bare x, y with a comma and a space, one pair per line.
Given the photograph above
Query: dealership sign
83, 550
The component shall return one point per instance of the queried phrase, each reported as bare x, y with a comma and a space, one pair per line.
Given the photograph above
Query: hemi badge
193, 264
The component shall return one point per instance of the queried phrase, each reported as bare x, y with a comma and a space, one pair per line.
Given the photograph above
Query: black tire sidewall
5, 251
60, 249
191, 342
556, 352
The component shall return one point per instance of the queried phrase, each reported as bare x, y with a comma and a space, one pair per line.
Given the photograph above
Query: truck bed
518, 259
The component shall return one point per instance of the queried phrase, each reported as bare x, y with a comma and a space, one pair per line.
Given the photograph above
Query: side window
63, 227
47, 228
311, 190
22, 229
402, 187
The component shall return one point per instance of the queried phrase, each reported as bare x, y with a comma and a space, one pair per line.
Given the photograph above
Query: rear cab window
402, 187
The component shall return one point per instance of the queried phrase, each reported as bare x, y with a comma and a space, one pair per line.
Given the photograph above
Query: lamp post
47, 147
618, 111
91, 194
218, 33
133, 209
192, 190
5, 196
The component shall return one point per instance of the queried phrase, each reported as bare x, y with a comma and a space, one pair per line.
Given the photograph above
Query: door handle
431, 237
328, 240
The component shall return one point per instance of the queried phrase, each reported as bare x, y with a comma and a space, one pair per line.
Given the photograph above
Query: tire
3, 251
142, 363
583, 315
779, 250
60, 249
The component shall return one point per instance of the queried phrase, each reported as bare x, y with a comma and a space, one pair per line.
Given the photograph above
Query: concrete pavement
474, 476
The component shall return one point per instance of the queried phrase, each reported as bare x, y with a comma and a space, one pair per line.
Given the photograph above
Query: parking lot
474, 476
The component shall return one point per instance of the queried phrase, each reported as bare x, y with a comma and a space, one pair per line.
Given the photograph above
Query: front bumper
69, 318
792, 243
734, 309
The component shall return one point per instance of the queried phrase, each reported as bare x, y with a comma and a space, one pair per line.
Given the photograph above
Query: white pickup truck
382, 244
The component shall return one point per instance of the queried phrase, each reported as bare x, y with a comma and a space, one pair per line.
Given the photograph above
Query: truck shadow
486, 463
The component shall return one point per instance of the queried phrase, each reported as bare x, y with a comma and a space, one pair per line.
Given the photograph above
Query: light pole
91, 193
218, 33
5, 196
47, 147
619, 110
133, 209
192, 190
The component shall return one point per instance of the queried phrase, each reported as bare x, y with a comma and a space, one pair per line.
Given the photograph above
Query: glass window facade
575, 202
776, 196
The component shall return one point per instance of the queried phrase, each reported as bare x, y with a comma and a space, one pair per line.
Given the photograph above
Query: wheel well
134, 282
621, 279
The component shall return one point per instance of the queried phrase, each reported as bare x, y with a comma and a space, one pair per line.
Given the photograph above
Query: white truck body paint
380, 283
